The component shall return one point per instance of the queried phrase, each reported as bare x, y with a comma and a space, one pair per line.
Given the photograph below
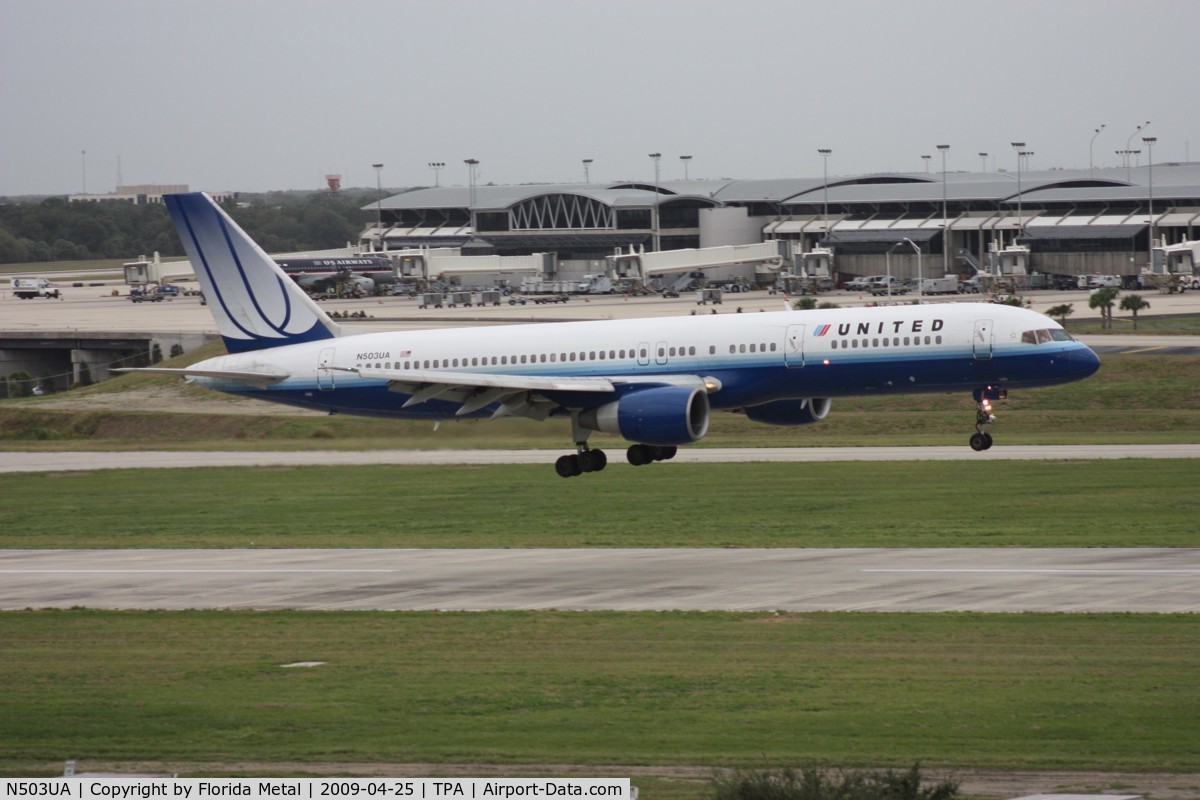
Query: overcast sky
253, 95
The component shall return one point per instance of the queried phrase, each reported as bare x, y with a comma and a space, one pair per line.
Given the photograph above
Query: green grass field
1151, 503
1134, 398
1114, 692
1023, 691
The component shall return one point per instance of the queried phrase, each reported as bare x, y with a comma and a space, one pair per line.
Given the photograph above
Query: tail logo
254, 303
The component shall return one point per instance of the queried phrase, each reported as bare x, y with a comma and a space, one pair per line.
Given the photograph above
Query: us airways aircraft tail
653, 382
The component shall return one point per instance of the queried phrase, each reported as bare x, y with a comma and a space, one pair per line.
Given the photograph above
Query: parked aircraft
654, 382
360, 273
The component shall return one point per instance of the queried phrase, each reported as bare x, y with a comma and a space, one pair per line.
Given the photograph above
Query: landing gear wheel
567, 466
638, 455
663, 453
978, 442
987, 441
592, 460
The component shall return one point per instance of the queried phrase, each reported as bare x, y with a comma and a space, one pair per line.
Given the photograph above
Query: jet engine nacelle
662, 415
790, 412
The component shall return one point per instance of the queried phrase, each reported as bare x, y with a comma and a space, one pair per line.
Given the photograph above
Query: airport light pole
825, 151
945, 216
926, 159
1019, 147
1140, 128
472, 163
983, 162
1150, 140
1091, 168
379, 203
887, 260
685, 160
587, 175
656, 157
436, 166
920, 272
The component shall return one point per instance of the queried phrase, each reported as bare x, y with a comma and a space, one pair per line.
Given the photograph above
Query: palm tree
1134, 303
1061, 313
1103, 299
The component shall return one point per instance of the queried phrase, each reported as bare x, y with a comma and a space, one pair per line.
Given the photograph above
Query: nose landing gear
981, 439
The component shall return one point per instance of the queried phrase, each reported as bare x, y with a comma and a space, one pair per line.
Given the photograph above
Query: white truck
945, 285
596, 284
26, 288
886, 284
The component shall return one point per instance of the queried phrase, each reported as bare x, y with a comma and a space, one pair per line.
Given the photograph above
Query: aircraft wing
517, 395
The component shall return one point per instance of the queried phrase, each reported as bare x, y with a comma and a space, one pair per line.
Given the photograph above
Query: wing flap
485, 380
242, 376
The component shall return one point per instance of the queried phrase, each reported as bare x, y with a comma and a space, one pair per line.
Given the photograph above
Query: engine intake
802, 411
663, 415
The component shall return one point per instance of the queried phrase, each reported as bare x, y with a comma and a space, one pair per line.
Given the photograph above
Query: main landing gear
640, 454
981, 439
588, 460
585, 460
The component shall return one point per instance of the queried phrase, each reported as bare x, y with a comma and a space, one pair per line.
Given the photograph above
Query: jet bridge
642, 266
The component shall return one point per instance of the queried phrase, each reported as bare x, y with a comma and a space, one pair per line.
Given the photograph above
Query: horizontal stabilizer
241, 376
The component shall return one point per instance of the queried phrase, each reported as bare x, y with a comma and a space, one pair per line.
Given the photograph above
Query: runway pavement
74, 461
923, 580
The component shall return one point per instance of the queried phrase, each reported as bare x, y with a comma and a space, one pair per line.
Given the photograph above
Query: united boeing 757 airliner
654, 382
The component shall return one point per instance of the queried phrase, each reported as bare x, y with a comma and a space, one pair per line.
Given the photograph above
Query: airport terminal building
1071, 222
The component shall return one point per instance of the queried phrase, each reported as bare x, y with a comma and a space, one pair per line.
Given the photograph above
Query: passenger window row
895, 341
537, 358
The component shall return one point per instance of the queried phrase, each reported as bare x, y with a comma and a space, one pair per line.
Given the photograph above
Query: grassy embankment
1134, 398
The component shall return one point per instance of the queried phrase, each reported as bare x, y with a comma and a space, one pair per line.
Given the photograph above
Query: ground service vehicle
29, 288
886, 284
946, 285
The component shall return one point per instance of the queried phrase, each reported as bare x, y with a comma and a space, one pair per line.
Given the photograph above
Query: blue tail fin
255, 304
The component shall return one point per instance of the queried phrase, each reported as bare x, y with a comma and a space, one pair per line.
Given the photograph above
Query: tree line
52, 229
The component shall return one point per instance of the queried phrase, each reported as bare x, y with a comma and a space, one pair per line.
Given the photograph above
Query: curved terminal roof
1171, 181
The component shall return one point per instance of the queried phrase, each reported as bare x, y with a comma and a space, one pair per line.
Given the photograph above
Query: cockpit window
1046, 335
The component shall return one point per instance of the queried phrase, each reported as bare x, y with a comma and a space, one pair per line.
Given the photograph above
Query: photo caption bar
146, 788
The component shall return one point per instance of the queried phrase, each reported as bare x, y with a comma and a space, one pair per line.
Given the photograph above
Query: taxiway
910, 580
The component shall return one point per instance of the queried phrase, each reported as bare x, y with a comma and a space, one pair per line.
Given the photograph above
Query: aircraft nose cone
1084, 362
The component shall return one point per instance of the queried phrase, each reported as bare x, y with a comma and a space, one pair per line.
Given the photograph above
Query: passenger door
324, 373
793, 346
981, 341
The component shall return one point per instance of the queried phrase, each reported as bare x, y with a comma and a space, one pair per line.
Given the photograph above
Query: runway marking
1050, 571
1143, 350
